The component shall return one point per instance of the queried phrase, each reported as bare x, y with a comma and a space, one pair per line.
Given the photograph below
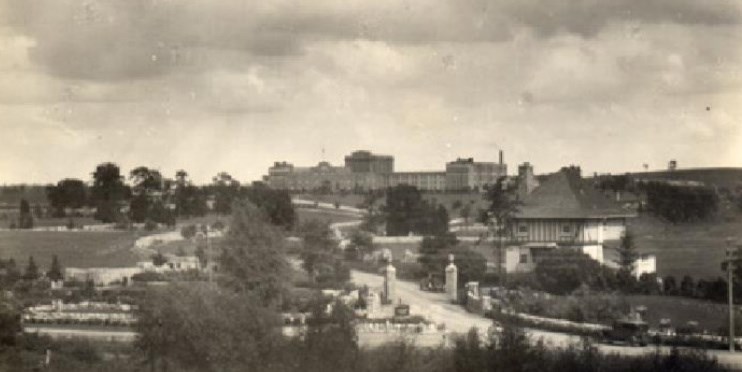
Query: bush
150, 225
148, 276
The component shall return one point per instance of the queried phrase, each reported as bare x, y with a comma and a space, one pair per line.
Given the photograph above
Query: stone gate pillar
390, 282
452, 274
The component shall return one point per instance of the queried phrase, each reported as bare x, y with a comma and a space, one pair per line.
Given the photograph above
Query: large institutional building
364, 171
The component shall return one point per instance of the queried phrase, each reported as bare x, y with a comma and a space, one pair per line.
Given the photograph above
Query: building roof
565, 195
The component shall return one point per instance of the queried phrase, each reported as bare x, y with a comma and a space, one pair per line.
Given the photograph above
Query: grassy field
74, 249
695, 249
680, 310
327, 215
720, 177
438, 198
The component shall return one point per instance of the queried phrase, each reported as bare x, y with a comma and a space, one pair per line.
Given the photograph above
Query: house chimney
500, 157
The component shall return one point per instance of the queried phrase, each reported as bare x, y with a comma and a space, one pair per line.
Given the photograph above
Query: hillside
720, 177
695, 249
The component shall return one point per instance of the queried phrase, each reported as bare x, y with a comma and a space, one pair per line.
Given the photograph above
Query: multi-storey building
365, 171
467, 174
365, 162
429, 181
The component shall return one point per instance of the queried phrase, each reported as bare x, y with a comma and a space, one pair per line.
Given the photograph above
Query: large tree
321, 256
225, 190
67, 193
189, 200
145, 180
503, 205
32, 271
201, 327
55, 270
108, 191
252, 257
627, 256
25, 219
276, 203
406, 212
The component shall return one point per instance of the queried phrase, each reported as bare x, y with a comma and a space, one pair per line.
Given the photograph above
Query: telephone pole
731, 256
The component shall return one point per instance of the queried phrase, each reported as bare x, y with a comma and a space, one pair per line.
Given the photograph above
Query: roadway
458, 320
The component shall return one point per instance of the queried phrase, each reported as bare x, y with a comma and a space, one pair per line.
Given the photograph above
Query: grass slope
720, 177
74, 249
695, 249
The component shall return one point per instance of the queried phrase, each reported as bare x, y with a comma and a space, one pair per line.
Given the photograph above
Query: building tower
452, 274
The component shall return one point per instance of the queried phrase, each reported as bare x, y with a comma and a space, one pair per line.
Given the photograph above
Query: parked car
628, 331
433, 283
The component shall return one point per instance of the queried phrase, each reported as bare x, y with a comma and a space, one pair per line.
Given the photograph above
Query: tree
108, 191
503, 206
318, 254
434, 252
32, 271
330, 343
199, 326
670, 286
38, 212
158, 259
687, 286
275, 203
225, 190
12, 273
10, 320
361, 244
456, 204
145, 180
189, 199
563, 271
67, 193
252, 258
406, 212
627, 257
465, 213
25, 219
188, 231
139, 208
55, 270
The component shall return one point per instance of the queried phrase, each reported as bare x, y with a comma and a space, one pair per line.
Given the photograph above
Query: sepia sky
230, 85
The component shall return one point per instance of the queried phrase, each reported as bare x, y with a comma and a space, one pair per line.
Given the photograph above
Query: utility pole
731, 256
209, 255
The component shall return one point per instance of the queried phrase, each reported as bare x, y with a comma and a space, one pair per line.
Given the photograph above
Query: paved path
113, 334
458, 320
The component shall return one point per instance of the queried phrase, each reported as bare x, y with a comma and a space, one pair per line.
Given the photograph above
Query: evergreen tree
55, 271
32, 271
627, 257
12, 274
25, 219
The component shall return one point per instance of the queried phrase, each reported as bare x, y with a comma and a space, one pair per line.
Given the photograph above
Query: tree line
147, 195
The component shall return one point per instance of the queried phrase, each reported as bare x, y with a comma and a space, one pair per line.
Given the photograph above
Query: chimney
500, 157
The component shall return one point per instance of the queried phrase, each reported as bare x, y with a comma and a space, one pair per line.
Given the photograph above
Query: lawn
74, 249
695, 249
680, 310
447, 199
326, 215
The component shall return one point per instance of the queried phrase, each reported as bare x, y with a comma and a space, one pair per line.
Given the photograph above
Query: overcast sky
229, 85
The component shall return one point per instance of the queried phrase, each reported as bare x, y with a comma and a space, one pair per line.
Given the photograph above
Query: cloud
588, 17
135, 39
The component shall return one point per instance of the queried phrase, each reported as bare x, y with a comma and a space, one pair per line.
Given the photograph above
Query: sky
210, 86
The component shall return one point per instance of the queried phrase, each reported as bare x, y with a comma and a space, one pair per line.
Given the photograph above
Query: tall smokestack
500, 157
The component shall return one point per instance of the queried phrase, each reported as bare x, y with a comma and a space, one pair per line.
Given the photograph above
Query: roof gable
565, 195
